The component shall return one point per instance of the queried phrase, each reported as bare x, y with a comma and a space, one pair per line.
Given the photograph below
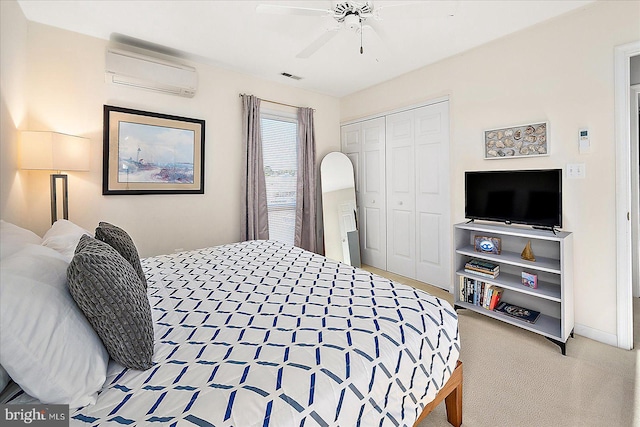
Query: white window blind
279, 151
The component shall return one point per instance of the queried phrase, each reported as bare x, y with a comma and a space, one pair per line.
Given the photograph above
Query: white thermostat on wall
584, 143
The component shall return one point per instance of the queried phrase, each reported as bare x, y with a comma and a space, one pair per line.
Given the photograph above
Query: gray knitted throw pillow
120, 240
109, 293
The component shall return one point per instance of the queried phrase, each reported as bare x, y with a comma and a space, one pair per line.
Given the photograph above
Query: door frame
426, 103
635, 188
622, 113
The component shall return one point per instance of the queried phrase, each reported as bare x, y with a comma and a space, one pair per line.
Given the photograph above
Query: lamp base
54, 196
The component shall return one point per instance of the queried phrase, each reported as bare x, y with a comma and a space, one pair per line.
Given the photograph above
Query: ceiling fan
350, 15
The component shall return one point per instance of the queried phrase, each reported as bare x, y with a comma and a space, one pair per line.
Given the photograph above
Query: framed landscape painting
151, 153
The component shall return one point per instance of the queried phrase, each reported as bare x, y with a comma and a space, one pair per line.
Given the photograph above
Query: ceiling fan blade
318, 43
292, 10
379, 9
377, 29
379, 45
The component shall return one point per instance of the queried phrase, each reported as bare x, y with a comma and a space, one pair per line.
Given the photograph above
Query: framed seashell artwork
517, 141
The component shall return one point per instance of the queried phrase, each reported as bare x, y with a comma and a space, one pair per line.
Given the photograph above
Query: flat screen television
531, 197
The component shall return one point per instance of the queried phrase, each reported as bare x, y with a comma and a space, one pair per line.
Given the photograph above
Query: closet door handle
400, 203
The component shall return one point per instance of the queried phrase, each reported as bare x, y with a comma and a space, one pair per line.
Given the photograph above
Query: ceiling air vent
291, 76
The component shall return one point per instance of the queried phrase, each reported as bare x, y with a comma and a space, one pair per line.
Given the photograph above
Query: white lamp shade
54, 151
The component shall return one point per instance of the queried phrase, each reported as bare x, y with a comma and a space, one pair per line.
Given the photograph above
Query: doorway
634, 97
626, 168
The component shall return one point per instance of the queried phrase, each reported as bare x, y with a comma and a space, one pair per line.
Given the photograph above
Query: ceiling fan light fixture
352, 21
343, 9
350, 15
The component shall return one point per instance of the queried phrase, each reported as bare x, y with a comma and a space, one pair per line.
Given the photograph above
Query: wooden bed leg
453, 403
451, 393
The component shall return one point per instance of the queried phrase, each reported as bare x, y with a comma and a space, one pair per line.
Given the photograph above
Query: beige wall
560, 71
66, 91
13, 110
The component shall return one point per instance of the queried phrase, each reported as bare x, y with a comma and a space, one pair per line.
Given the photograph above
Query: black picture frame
168, 152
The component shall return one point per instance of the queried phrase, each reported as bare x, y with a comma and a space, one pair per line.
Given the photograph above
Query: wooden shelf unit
553, 297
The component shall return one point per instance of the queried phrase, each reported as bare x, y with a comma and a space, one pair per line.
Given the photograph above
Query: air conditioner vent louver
148, 72
291, 76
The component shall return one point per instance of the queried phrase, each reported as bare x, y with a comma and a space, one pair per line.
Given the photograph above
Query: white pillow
63, 236
46, 344
14, 238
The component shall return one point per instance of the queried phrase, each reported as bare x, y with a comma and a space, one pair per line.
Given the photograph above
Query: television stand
562, 345
541, 227
553, 297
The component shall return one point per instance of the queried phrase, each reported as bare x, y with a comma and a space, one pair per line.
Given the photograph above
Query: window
279, 152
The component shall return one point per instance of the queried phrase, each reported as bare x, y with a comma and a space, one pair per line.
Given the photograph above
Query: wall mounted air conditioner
148, 72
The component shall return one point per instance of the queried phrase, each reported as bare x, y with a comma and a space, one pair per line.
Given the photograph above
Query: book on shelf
487, 296
480, 273
482, 265
530, 280
495, 298
466, 289
479, 293
482, 268
521, 313
474, 292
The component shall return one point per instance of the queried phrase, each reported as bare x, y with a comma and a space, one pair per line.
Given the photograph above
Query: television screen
531, 197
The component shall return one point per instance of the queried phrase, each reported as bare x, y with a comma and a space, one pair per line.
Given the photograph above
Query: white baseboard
596, 335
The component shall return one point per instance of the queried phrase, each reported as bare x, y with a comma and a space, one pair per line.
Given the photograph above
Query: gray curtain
255, 221
305, 233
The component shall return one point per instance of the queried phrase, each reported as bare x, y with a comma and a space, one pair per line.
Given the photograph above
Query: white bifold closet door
417, 181
364, 144
401, 195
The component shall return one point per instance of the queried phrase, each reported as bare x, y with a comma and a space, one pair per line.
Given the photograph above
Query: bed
260, 333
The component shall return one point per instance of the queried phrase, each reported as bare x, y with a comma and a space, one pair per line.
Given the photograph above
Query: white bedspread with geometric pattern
264, 334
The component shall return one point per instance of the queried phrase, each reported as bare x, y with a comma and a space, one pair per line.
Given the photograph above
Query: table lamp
57, 152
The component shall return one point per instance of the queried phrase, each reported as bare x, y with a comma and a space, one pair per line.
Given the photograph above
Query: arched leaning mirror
341, 241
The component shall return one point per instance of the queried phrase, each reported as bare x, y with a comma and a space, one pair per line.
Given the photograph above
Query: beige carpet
513, 377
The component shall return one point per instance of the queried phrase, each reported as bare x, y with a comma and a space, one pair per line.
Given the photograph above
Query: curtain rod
275, 102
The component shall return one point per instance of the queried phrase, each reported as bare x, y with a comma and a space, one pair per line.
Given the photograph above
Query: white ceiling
233, 35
